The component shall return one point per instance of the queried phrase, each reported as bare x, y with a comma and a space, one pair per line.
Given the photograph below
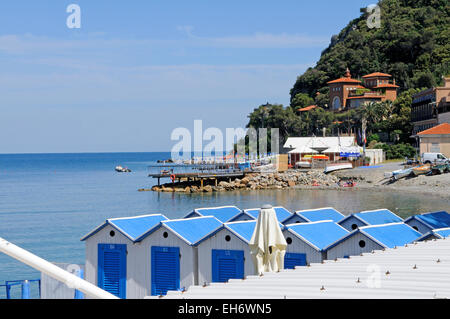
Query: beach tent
253, 213
306, 241
223, 213
267, 245
111, 253
314, 215
425, 223
369, 217
369, 238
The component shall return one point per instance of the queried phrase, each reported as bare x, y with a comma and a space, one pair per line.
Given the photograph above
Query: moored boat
337, 167
121, 169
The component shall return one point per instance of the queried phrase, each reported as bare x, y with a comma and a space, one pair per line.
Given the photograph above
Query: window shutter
112, 275
292, 260
227, 264
165, 270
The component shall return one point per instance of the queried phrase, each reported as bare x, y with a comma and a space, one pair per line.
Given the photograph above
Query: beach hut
173, 260
436, 234
369, 238
223, 213
226, 254
115, 261
253, 213
369, 217
314, 215
306, 242
425, 223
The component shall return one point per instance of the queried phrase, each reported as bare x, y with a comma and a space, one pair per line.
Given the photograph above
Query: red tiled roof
371, 75
308, 108
366, 97
443, 128
344, 80
385, 85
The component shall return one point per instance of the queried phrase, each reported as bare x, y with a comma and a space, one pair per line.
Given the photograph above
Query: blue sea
49, 201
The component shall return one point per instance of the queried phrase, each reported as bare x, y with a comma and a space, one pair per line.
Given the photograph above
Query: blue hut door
291, 260
165, 270
227, 264
112, 268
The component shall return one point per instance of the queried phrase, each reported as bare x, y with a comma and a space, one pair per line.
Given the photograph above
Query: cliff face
412, 44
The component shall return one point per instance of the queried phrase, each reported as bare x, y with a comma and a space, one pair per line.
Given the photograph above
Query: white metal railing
53, 271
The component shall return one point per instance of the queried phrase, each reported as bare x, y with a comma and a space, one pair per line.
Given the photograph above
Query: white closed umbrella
267, 245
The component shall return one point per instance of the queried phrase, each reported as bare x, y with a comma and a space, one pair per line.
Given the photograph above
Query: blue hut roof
387, 235
315, 215
282, 213
379, 217
375, 217
244, 230
439, 233
134, 228
318, 234
224, 213
433, 220
193, 230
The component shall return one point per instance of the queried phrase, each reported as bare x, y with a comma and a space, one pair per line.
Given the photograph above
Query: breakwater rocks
313, 178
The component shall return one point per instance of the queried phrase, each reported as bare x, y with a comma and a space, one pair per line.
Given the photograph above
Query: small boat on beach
337, 167
396, 175
421, 170
440, 168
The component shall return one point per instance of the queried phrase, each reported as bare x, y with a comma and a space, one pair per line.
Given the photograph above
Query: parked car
431, 158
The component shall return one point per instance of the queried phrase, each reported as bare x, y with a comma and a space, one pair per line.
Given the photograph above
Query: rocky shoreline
253, 181
368, 179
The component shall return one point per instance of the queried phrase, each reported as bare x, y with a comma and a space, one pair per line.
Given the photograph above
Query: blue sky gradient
138, 69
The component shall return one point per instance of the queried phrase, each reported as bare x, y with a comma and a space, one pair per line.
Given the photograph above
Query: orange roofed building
435, 139
347, 93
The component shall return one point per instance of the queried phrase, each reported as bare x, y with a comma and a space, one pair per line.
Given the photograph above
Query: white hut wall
218, 242
350, 222
137, 261
351, 247
298, 246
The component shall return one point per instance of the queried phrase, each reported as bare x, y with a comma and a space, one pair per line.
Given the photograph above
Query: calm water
49, 201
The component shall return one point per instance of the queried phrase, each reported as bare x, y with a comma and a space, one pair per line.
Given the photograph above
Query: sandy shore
373, 178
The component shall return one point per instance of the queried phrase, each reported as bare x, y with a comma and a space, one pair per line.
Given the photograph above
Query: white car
431, 158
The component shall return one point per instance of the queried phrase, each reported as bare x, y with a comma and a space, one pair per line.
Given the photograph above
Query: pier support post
201, 183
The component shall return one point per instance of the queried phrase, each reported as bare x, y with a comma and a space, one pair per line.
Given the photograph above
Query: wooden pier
197, 172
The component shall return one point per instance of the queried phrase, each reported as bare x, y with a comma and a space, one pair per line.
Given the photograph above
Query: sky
136, 70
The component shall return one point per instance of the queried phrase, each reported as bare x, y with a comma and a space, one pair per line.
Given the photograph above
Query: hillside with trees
412, 45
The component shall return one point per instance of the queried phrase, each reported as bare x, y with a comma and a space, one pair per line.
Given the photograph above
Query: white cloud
256, 40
